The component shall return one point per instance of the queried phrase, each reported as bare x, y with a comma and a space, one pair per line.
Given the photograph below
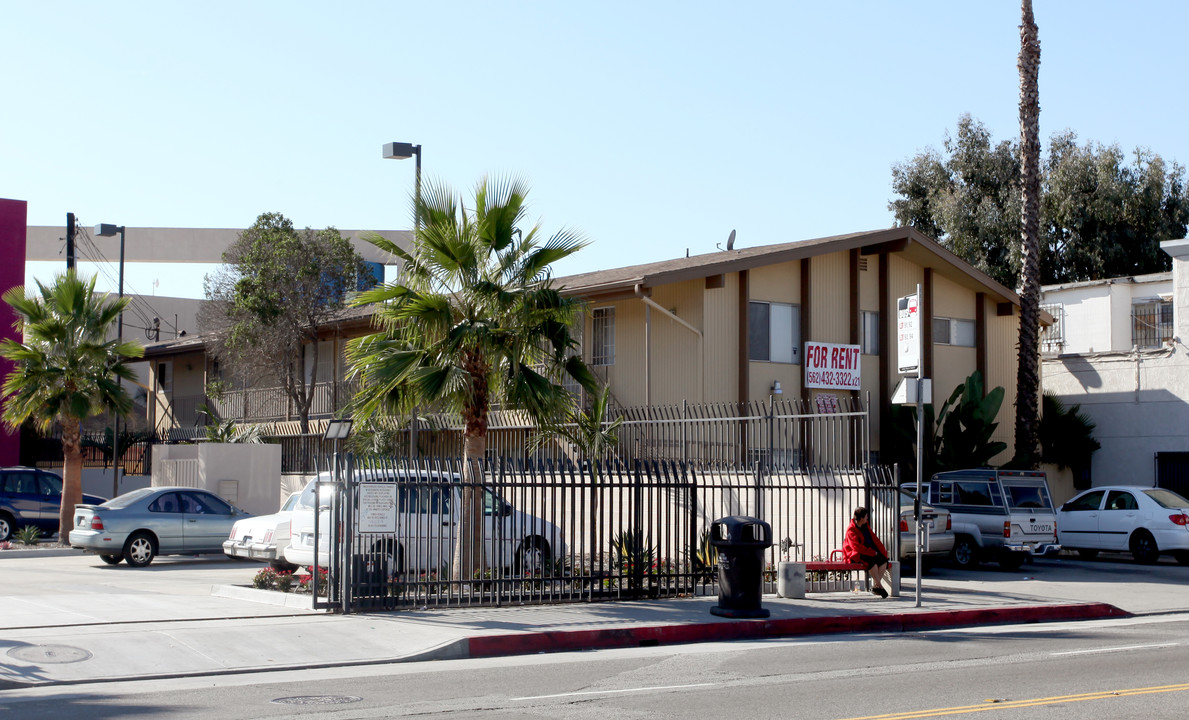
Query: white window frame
602, 336
869, 332
954, 324
778, 314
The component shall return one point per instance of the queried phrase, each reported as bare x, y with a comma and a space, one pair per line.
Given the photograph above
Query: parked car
264, 537
412, 525
937, 521
998, 515
1145, 521
145, 523
29, 496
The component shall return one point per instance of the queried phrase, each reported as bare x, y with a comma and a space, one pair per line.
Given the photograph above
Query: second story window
602, 336
869, 332
1151, 323
774, 332
951, 331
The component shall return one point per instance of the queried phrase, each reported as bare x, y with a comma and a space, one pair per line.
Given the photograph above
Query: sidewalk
121, 635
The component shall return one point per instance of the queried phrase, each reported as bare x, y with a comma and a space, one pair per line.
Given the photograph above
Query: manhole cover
42, 654
318, 700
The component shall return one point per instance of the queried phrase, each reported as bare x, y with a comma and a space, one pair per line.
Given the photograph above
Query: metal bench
791, 576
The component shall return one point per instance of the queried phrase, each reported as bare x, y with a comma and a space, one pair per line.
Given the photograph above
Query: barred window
1151, 323
1052, 338
602, 340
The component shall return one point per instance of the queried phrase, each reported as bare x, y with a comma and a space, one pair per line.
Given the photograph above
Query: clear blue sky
651, 127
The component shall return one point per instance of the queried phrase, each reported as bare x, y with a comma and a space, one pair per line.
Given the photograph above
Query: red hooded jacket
855, 548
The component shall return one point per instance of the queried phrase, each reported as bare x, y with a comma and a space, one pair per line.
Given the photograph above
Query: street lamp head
400, 151
107, 230
338, 429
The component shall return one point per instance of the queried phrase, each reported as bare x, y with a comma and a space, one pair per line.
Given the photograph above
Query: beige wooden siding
777, 283
1002, 336
951, 366
720, 311
829, 298
869, 283
676, 350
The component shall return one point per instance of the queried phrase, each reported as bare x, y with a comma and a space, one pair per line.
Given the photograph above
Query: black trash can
740, 542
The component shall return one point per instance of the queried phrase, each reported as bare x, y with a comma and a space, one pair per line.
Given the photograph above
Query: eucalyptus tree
473, 321
66, 369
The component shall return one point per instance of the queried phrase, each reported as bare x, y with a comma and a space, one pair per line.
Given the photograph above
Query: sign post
909, 352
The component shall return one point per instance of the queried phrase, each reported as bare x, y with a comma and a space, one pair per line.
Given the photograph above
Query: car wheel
6, 525
282, 566
965, 553
390, 558
1087, 554
111, 559
1012, 561
533, 557
140, 550
1143, 547
1182, 557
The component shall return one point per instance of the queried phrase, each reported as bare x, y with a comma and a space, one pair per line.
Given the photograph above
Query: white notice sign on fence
908, 328
377, 508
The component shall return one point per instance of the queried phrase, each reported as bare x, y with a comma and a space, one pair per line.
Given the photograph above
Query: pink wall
12, 273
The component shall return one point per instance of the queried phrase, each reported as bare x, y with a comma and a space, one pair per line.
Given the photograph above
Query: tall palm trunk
72, 477
1028, 367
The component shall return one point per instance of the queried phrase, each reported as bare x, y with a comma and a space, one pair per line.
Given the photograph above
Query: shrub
283, 581
266, 579
28, 535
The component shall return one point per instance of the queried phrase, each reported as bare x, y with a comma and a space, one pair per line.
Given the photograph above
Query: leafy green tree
957, 437
1028, 347
1103, 212
474, 320
66, 370
268, 303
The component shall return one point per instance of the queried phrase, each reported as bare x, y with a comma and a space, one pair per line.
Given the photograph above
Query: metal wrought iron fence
423, 532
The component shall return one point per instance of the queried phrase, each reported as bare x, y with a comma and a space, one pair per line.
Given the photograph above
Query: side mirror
1065, 507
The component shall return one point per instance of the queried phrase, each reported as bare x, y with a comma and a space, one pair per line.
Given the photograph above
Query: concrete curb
297, 601
569, 640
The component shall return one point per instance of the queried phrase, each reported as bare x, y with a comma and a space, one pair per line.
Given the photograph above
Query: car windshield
306, 501
127, 499
1028, 497
291, 502
1167, 498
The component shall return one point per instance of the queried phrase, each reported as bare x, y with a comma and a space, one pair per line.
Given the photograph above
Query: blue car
29, 496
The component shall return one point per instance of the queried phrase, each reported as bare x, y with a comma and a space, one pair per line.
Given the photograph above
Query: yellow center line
1055, 700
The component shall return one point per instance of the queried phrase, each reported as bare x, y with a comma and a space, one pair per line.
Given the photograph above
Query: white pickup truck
998, 515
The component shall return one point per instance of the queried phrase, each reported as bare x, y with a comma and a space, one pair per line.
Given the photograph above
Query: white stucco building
1119, 350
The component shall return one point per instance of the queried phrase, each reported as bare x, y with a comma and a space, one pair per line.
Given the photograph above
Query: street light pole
404, 151
107, 230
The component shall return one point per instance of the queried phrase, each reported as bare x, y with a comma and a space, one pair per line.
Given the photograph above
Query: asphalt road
1125, 668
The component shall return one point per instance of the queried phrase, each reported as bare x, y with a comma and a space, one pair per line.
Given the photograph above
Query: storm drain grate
43, 654
317, 700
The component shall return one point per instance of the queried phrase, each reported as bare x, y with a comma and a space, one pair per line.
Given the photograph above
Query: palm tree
1028, 358
474, 320
66, 370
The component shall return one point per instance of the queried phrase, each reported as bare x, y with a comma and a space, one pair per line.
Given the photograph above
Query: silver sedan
138, 526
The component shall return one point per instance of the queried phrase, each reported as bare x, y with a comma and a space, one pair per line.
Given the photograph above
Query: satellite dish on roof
731, 241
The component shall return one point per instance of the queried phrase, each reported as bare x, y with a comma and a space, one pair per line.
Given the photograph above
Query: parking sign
908, 346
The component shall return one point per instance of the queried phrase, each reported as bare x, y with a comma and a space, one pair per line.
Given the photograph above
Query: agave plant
703, 557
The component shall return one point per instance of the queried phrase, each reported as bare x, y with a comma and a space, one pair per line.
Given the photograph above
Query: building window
1052, 338
951, 331
869, 332
774, 332
602, 340
165, 377
1151, 323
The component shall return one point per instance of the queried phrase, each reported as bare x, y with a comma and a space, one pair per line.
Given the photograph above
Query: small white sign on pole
908, 328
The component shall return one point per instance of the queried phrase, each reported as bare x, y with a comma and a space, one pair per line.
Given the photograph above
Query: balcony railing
260, 404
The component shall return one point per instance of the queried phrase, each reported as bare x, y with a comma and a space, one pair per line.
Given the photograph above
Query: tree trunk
72, 478
1028, 359
469, 556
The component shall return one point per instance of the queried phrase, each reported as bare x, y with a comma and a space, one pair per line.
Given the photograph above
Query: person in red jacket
861, 546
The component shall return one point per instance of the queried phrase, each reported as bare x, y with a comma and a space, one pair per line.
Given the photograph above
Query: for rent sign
832, 366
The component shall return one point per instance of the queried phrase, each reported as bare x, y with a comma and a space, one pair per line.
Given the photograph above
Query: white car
421, 526
1145, 521
263, 538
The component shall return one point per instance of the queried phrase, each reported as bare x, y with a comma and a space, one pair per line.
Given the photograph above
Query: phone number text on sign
833, 366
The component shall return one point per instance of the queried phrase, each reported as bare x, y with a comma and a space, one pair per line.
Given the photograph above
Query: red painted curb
566, 640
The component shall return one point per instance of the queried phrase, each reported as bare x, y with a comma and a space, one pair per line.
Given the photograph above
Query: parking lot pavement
73, 619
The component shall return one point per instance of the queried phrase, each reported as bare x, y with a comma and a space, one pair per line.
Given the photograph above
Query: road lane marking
1115, 649
1034, 702
615, 692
